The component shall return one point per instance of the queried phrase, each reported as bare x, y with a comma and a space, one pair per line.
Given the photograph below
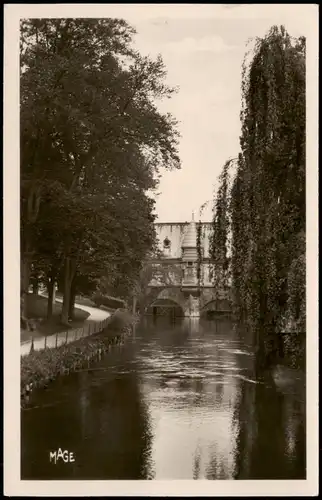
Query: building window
189, 264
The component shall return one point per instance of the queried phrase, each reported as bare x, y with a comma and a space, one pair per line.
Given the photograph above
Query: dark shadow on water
271, 440
100, 417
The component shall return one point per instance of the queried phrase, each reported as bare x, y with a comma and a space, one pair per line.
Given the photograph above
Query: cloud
213, 43
300, 14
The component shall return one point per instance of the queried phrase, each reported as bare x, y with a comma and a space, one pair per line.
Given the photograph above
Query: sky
203, 47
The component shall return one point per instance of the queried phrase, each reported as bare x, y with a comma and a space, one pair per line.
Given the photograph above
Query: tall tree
268, 194
91, 136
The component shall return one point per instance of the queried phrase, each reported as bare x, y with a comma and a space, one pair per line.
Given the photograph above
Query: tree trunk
54, 291
25, 286
68, 278
35, 287
50, 300
134, 304
72, 300
31, 213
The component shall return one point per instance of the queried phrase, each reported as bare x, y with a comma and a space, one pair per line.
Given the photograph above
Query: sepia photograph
163, 236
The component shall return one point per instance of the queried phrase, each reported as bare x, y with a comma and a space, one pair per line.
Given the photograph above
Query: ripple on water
241, 377
184, 407
237, 351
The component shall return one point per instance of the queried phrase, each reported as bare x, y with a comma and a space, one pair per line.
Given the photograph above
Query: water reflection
178, 401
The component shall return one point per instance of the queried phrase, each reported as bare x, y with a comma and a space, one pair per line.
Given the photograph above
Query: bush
120, 319
105, 300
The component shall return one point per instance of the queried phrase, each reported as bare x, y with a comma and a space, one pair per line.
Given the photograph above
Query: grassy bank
37, 310
39, 368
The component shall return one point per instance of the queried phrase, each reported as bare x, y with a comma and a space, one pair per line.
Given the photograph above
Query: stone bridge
193, 304
182, 280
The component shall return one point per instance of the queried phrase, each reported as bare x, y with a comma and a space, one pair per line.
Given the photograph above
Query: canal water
177, 401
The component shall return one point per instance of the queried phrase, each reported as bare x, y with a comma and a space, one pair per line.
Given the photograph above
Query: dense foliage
92, 144
264, 211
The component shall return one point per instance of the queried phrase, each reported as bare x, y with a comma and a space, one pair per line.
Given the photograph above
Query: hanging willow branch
200, 270
221, 227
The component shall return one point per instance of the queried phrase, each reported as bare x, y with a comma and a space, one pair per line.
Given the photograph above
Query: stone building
185, 276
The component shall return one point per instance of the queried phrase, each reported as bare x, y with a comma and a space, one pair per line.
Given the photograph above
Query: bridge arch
217, 306
165, 307
207, 301
171, 293
210, 297
171, 297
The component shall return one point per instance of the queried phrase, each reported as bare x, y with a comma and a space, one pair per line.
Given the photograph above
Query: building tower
189, 263
189, 244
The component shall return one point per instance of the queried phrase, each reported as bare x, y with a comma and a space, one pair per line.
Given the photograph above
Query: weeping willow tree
258, 241
267, 199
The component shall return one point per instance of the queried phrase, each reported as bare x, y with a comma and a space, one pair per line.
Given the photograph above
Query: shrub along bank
40, 368
106, 301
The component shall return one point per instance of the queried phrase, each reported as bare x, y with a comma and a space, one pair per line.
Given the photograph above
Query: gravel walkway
92, 325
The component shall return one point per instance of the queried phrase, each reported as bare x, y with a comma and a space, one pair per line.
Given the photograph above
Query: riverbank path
96, 319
